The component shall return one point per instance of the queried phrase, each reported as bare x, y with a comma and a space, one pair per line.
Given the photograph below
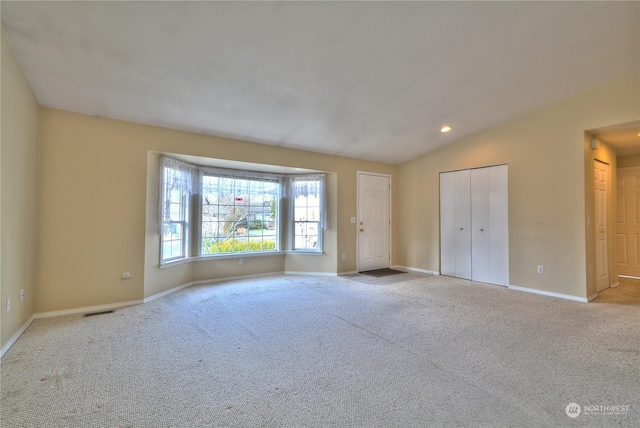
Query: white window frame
184, 219
321, 221
192, 221
240, 175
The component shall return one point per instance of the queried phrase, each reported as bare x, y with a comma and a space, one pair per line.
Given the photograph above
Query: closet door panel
462, 217
499, 226
447, 224
480, 225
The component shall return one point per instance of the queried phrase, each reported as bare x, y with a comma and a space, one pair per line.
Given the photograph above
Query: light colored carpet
305, 351
627, 293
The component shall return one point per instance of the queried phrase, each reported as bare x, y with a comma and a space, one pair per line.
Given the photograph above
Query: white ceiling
373, 80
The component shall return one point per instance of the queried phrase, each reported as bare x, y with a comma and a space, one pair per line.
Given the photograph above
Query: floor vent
90, 314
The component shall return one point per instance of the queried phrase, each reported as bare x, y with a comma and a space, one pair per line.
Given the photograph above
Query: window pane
176, 186
238, 215
306, 214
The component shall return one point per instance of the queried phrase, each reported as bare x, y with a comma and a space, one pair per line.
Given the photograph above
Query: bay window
211, 212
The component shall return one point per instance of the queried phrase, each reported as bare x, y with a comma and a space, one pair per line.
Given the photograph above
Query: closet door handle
462, 228
481, 230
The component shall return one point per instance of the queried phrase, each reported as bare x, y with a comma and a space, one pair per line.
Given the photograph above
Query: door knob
462, 228
361, 223
361, 230
481, 230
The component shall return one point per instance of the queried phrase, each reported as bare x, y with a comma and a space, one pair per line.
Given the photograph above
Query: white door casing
601, 176
628, 222
374, 221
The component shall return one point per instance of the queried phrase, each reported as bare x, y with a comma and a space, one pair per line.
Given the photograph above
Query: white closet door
480, 225
474, 224
455, 222
499, 224
463, 223
447, 224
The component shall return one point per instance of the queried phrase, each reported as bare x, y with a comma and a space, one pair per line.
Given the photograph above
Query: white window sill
238, 256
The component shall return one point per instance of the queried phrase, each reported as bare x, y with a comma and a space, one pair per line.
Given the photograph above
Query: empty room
238, 214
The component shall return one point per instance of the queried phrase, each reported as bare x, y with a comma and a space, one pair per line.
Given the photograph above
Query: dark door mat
379, 273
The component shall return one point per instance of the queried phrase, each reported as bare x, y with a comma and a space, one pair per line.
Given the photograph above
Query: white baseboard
353, 272
234, 278
206, 281
87, 309
294, 272
411, 269
165, 292
16, 336
549, 293
231, 278
615, 284
593, 296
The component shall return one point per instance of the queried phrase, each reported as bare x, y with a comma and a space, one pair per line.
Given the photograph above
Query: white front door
628, 222
601, 172
374, 221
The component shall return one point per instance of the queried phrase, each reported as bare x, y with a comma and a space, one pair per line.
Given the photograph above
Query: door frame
358, 175
607, 202
618, 171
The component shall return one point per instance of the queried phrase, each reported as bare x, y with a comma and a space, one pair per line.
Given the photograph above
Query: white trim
206, 281
16, 336
614, 285
212, 257
548, 293
593, 296
295, 272
234, 278
630, 277
412, 269
358, 174
353, 272
165, 292
86, 309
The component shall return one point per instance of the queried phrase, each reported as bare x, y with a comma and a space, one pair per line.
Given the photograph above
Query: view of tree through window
239, 215
211, 211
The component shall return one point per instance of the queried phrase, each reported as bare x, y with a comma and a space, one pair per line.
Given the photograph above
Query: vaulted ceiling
373, 80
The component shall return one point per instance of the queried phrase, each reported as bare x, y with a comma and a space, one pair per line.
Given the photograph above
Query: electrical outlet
241, 261
8, 304
21, 295
344, 256
540, 269
126, 276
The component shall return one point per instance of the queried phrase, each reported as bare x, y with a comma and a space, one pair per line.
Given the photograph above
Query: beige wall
98, 210
628, 161
607, 154
18, 201
547, 208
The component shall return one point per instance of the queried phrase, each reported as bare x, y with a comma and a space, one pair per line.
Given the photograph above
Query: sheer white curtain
310, 184
174, 175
